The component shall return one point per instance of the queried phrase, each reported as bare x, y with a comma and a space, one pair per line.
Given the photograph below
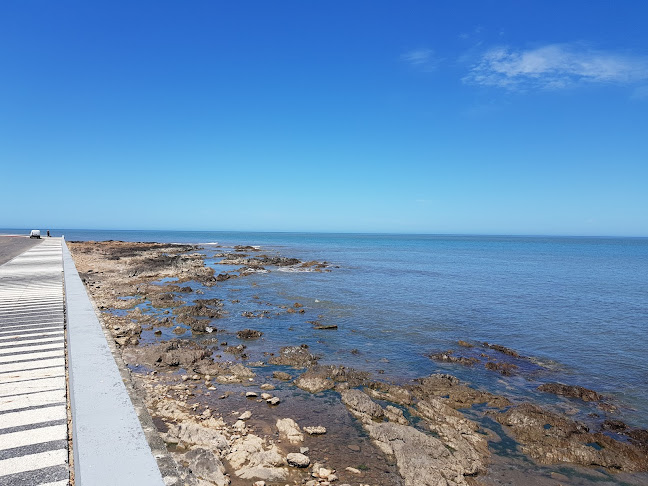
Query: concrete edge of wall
109, 444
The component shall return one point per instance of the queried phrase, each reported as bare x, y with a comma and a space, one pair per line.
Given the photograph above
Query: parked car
34, 234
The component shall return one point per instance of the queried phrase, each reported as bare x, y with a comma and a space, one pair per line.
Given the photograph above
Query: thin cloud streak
421, 58
555, 66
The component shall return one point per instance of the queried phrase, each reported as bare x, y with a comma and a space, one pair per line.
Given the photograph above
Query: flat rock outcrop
550, 438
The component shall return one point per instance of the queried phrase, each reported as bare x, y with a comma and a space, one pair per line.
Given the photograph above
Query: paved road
33, 401
11, 246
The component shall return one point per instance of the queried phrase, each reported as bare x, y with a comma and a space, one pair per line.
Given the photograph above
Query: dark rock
505, 369
296, 356
502, 349
455, 394
550, 438
571, 391
325, 326
614, 425
448, 357
248, 334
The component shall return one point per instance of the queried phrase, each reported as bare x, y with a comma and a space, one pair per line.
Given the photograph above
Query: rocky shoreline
291, 419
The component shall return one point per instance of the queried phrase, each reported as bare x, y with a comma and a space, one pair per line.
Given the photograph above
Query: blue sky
493, 117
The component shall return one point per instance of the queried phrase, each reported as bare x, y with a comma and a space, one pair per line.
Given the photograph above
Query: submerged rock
502, 349
296, 356
571, 391
248, 334
550, 438
449, 357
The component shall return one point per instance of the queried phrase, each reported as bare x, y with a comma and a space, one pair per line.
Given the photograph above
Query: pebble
245, 415
304, 450
267, 386
353, 470
251, 394
274, 401
318, 430
354, 447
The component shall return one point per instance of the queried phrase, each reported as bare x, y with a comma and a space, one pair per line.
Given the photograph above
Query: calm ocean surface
577, 305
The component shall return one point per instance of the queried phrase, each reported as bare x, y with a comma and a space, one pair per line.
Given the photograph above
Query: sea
575, 307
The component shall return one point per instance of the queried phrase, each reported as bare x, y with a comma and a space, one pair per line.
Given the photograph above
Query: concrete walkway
108, 444
33, 404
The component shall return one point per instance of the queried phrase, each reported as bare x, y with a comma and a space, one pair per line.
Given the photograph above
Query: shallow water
577, 305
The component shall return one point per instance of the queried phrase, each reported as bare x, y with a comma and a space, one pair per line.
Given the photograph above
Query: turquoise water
577, 305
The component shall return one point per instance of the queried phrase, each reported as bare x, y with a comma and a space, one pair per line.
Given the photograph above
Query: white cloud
421, 58
555, 66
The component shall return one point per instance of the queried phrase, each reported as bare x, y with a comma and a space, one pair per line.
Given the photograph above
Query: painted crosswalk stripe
33, 397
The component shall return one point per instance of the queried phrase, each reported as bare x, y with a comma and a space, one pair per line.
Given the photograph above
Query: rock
506, 369
207, 466
313, 382
550, 438
251, 458
296, 356
353, 470
325, 326
456, 432
464, 344
317, 430
395, 414
172, 354
458, 395
422, 459
324, 472
449, 357
248, 334
289, 429
251, 394
280, 375
274, 401
571, 391
266, 396
502, 349
241, 371
297, 459
245, 415
198, 435
179, 330
390, 393
361, 406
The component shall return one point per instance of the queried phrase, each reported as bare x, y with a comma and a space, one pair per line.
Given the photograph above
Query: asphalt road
11, 246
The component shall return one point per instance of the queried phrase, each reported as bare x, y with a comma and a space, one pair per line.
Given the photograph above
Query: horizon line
501, 235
